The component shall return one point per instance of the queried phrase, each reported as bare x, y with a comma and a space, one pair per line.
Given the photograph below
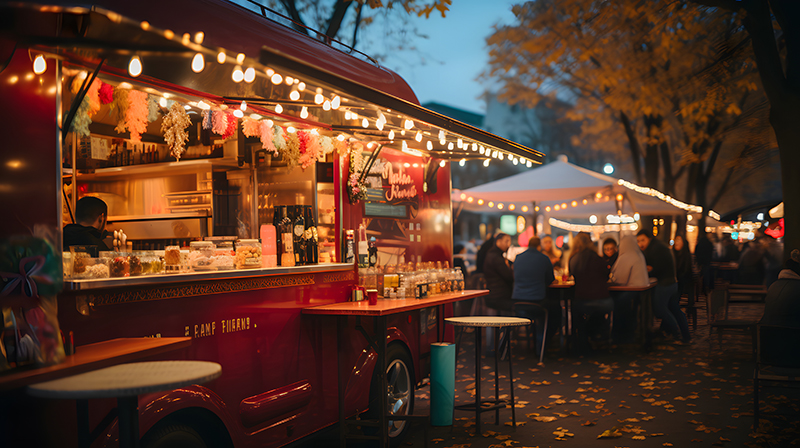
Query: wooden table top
388, 306
128, 380
92, 357
567, 285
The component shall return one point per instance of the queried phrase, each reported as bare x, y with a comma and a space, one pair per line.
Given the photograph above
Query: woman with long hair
548, 248
592, 300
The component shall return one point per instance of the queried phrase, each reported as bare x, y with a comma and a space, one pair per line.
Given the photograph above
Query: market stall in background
247, 170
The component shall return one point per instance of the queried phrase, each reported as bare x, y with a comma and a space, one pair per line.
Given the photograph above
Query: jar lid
248, 241
203, 244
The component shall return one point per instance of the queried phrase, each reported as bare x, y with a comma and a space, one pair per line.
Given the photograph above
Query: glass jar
248, 254
201, 255
119, 267
85, 267
172, 259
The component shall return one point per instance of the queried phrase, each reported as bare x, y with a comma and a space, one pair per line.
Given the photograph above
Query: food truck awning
377, 104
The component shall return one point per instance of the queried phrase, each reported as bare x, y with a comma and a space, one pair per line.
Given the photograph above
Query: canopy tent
561, 182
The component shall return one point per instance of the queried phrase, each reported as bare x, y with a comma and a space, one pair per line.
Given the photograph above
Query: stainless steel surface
163, 227
82, 285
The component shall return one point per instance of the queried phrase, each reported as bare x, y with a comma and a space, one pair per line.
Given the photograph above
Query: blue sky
455, 53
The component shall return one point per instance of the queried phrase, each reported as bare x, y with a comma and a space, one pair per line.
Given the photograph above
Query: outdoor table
565, 298
645, 305
379, 314
478, 323
126, 382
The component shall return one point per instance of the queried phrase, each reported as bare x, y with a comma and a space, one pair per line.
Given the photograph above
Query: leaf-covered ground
680, 396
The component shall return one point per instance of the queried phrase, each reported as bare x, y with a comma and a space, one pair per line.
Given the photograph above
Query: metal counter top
150, 280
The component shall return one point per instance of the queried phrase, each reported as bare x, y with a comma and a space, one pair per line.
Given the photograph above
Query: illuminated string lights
657, 194
592, 228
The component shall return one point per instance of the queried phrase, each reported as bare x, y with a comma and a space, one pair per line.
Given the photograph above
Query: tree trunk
633, 145
788, 136
335, 22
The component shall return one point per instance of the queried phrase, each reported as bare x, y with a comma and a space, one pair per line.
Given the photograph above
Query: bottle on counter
349, 247
373, 252
298, 230
363, 247
277, 216
312, 238
287, 242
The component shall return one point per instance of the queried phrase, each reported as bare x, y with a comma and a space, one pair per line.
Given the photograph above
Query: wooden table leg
128, 421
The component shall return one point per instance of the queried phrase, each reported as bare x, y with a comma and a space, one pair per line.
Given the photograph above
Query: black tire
400, 393
173, 435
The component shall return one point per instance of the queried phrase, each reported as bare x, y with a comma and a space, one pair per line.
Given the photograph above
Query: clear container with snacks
119, 266
172, 259
225, 258
152, 263
85, 267
201, 255
248, 254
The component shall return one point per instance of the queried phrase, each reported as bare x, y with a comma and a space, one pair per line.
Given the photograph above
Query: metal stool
477, 323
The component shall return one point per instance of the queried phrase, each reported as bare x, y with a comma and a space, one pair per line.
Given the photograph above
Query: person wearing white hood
630, 269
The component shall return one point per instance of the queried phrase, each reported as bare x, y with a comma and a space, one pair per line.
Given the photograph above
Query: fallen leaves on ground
612, 433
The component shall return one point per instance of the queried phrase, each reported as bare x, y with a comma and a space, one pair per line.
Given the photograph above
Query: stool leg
478, 380
544, 335
497, 373
128, 408
511, 387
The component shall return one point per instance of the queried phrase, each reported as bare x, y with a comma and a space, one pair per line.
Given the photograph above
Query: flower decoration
219, 122
174, 127
279, 138
231, 125
106, 93
152, 108
267, 135
134, 118
356, 188
206, 119
250, 127
310, 148
292, 152
88, 107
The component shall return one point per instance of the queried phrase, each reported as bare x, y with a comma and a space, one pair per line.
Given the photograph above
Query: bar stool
125, 382
478, 323
537, 308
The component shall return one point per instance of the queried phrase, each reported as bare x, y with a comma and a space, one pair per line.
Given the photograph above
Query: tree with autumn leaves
673, 82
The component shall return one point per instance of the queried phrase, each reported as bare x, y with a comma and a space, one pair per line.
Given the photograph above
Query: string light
450, 146
301, 86
592, 228
276, 78
326, 106
462, 162
240, 58
470, 199
198, 37
198, 63
318, 98
337, 101
657, 194
480, 201
418, 136
408, 125
294, 95
221, 57
714, 214
250, 75
238, 74
486, 162
490, 204
304, 112
238, 114
39, 65
135, 66
278, 109
512, 207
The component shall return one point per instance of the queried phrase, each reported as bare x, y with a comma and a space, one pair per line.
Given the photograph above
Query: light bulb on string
347, 115
514, 161
301, 86
418, 136
353, 116
240, 58
198, 37
304, 112
291, 129
486, 162
243, 106
326, 105
340, 137
364, 123
238, 113
430, 146
249, 75
278, 109
459, 143
289, 80
336, 102
221, 57
391, 134
198, 63
294, 95
238, 74
474, 146
162, 102
276, 78
39, 65
481, 151
462, 162
500, 155
379, 125
409, 124
318, 98
529, 164
135, 66
450, 146
442, 164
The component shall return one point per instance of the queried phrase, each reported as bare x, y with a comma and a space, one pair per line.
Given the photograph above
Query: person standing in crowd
704, 255
592, 300
683, 265
480, 257
533, 273
751, 264
783, 297
549, 249
666, 300
610, 252
458, 258
499, 281
629, 270
91, 214
773, 251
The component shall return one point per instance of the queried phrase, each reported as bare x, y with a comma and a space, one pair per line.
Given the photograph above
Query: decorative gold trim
338, 277
200, 289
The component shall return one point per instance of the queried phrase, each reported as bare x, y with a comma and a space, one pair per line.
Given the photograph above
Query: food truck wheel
400, 391
173, 436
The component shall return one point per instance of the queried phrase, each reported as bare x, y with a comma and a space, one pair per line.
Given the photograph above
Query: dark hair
534, 242
581, 242
793, 262
609, 241
89, 208
500, 236
647, 233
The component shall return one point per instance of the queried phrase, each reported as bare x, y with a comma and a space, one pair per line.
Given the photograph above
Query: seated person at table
666, 300
629, 270
533, 273
783, 298
591, 289
548, 248
91, 214
610, 252
683, 265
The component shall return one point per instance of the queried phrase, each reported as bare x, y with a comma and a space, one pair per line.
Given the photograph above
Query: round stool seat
488, 321
131, 379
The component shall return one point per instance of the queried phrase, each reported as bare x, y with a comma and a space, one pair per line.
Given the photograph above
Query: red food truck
245, 168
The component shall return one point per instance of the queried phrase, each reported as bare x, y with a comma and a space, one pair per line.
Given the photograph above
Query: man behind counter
91, 214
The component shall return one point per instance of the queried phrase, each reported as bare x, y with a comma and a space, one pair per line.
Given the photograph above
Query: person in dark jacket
91, 214
499, 275
480, 257
683, 264
704, 255
592, 298
533, 273
666, 300
610, 252
783, 297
